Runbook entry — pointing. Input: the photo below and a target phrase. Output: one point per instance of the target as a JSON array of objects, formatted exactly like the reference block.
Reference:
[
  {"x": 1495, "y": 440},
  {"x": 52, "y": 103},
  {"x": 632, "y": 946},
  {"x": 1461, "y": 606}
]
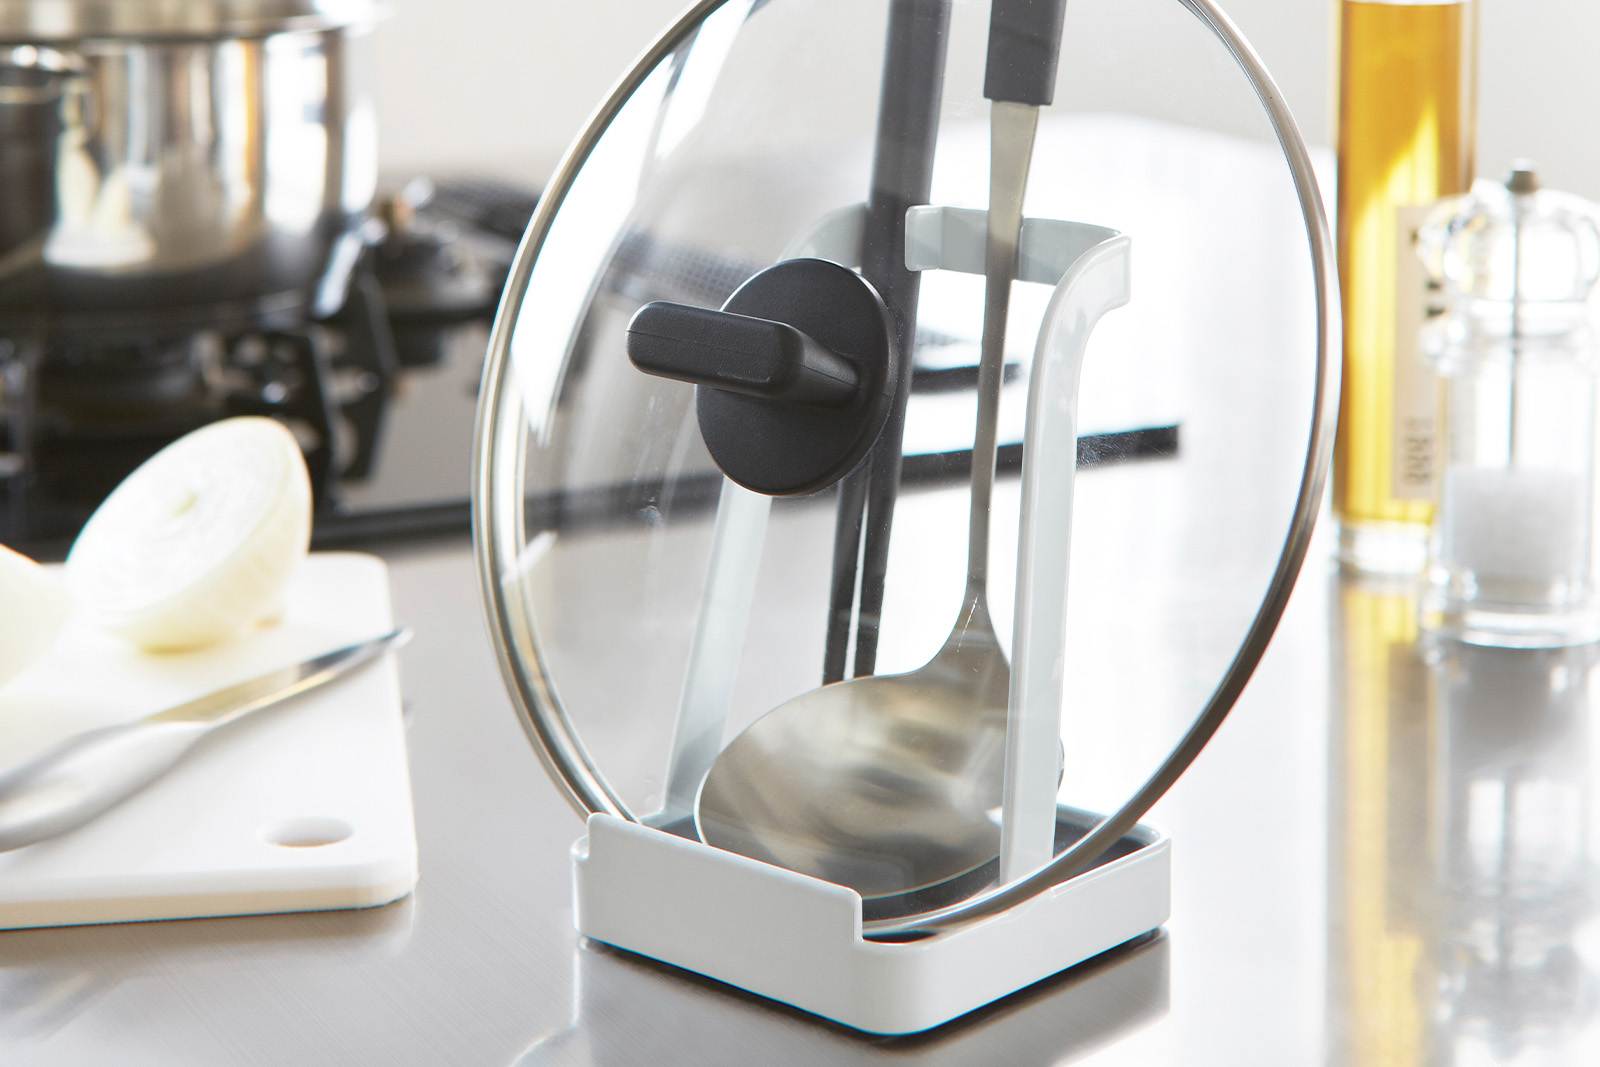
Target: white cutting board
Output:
[{"x": 301, "y": 807}]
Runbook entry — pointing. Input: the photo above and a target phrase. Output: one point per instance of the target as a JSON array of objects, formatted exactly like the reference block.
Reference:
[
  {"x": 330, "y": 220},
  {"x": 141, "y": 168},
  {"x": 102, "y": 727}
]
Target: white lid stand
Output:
[
  {"x": 798, "y": 939},
  {"x": 649, "y": 889}
]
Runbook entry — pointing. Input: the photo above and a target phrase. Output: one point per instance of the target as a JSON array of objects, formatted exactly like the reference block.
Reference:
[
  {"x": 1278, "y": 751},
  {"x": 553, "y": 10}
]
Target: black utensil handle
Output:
[
  {"x": 902, "y": 176},
  {"x": 1024, "y": 50}
]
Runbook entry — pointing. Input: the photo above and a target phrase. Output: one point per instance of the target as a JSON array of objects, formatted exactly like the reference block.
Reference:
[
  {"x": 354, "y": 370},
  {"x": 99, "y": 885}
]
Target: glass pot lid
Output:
[{"x": 647, "y": 609}]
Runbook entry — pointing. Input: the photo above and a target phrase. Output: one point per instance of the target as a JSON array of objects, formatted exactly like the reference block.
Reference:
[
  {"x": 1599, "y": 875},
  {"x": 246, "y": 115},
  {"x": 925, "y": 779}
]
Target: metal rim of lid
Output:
[
  {"x": 57, "y": 22},
  {"x": 498, "y": 491}
]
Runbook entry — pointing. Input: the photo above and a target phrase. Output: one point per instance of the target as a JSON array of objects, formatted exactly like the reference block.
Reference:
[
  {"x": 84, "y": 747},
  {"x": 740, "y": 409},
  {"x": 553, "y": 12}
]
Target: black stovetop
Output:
[{"x": 382, "y": 395}]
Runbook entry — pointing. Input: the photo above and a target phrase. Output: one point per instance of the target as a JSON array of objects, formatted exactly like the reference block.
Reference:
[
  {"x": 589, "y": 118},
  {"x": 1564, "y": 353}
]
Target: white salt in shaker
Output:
[{"x": 1510, "y": 335}]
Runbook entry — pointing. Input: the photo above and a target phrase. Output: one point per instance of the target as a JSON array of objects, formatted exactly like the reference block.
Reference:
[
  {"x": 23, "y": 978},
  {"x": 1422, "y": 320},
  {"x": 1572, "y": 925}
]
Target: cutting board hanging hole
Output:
[{"x": 312, "y": 831}]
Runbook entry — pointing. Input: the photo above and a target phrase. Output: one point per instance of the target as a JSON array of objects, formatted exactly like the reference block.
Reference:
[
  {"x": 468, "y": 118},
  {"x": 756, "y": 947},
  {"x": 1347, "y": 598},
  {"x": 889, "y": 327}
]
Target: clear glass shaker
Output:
[{"x": 1511, "y": 338}]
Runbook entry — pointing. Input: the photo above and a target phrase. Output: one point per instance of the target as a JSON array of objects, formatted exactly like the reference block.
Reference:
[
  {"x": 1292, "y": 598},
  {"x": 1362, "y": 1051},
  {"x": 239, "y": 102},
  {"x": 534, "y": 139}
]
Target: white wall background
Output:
[{"x": 502, "y": 86}]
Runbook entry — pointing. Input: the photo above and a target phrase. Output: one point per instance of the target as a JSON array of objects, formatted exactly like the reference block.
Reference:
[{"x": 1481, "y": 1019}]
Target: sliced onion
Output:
[
  {"x": 33, "y": 605},
  {"x": 199, "y": 542}
]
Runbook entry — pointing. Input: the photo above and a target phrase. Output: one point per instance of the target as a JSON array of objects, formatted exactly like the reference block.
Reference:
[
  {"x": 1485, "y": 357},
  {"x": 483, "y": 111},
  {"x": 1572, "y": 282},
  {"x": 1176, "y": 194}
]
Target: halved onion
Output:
[
  {"x": 199, "y": 542},
  {"x": 33, "y": 605}
]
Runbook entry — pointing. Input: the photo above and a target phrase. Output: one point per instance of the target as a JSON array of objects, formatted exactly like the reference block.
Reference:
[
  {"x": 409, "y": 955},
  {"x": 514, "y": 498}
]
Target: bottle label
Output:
[{"x": 1416, "y": 391}]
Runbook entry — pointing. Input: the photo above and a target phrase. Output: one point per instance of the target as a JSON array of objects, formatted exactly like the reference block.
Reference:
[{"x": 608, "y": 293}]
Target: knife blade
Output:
[{"x": 90, "y": 773}]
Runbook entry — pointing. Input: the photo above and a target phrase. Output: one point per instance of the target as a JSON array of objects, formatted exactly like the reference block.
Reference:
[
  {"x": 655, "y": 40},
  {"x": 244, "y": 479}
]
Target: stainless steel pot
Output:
[{"x": 188, "y": 158}]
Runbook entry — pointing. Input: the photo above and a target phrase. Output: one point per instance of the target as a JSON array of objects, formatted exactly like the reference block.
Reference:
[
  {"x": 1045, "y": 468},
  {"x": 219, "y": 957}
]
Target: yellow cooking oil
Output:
[{"x": 1405, "y": 141}]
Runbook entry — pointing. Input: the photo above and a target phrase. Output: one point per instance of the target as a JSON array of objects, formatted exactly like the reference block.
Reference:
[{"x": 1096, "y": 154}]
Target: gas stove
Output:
[{"x": 381, "y": 394}]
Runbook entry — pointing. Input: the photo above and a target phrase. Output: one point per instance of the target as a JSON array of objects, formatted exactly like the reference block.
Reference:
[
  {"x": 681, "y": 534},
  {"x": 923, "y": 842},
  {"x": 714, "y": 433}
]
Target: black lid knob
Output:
[
  {"x": 794, "y": 373},
  {"x": 739, "y": 353}
]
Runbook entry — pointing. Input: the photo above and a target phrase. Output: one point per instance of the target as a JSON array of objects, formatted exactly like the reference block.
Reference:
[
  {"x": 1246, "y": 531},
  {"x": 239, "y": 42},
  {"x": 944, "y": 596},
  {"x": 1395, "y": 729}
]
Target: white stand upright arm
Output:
[
  {"x": 1088, "y": 265},
  {"x": 730, "y": 589},
  {"x": 1096, "y": 283}
]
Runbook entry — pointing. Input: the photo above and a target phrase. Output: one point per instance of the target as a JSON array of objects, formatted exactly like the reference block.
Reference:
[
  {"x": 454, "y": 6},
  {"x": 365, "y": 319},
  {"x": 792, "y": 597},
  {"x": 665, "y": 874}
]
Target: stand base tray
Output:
[{"x": 798, "y": 940}]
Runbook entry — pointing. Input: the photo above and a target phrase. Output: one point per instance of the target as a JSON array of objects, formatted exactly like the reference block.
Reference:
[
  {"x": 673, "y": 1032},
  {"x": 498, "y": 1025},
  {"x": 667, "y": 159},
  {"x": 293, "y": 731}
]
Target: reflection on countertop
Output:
[
  {"x": 620, "y": 996},
  {"x": 50, "y": 976},
  {"x": 1462, "y": 844}
]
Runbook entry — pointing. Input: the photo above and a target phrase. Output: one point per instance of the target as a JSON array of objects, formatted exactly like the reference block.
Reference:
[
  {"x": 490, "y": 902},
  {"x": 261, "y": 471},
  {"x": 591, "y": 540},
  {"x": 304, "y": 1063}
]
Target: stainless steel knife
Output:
[{"x": 88, "y": 774}]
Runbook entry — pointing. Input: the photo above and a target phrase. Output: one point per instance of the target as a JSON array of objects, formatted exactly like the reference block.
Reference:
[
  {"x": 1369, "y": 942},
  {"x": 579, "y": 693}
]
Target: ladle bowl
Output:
[{"x": 884, "y": 784}]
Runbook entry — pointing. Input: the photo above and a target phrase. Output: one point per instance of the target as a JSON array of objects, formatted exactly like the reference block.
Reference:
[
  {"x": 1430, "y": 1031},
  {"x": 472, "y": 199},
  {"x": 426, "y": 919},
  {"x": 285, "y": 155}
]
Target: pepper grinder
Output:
[{"x": 1512, "y": 266}]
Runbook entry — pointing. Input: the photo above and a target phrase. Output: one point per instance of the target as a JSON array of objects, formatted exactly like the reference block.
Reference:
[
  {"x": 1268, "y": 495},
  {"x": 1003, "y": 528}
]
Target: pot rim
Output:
[{"x": 58, "y": 22}]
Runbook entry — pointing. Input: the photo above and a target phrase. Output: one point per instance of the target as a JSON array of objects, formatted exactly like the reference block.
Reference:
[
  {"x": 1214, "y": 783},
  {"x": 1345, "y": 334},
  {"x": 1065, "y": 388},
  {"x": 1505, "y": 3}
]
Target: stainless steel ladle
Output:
[{"x": 885, "y": 784}]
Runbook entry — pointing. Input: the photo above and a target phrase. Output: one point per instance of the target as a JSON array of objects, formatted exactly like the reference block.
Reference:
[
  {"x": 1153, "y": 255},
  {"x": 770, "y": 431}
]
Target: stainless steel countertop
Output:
[
  {"x": 1331, "y": 901},
  {"x": 1376, "y": 861}
]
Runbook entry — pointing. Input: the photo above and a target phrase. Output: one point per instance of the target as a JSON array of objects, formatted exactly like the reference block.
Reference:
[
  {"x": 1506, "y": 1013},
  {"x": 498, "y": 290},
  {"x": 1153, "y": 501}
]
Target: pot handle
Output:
[{"x": 29, "y": 86}]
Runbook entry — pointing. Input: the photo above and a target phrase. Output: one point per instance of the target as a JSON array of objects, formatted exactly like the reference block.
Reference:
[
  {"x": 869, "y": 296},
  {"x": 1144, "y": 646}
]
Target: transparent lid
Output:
[
  {"x": 641, "y": 623},
  {"x": 1513, "y": 258}
]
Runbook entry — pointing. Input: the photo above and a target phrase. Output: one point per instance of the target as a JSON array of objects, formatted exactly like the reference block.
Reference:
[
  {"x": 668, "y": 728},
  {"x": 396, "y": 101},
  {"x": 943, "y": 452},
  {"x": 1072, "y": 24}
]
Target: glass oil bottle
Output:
[{"x": 1405, "y": 140}]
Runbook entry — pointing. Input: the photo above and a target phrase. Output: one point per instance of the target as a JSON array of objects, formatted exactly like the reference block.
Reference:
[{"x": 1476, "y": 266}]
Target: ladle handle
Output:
[
  {"x": 1020, "y": 77},
  {"x": 1011, "y": 128}
]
